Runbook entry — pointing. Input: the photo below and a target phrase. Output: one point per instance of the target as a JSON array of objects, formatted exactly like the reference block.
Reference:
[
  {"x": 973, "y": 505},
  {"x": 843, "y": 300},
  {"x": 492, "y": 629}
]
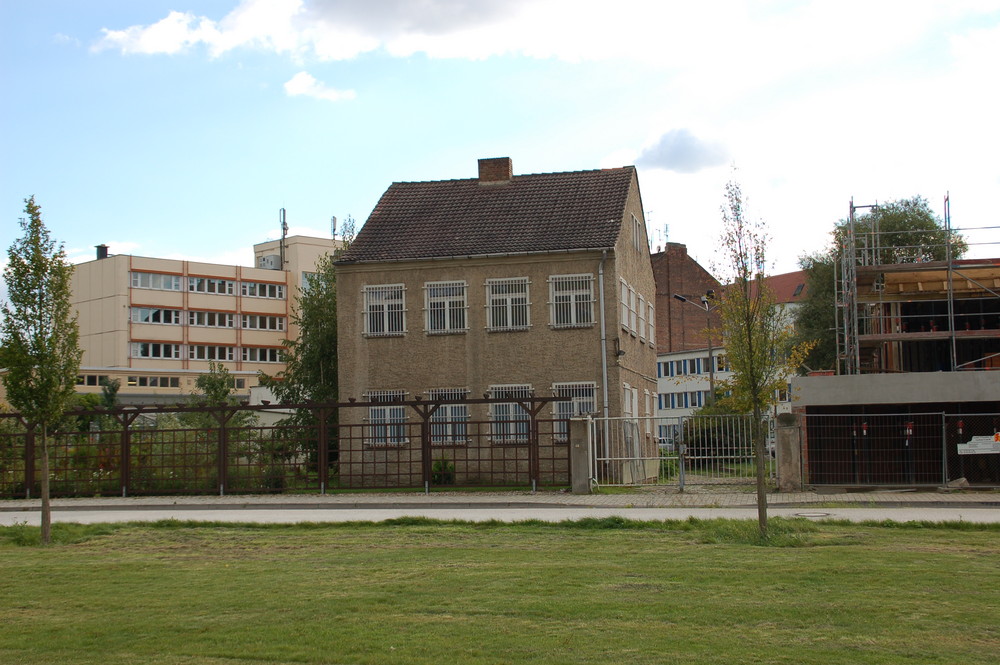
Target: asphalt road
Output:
[{"x": 298, "y": 513}]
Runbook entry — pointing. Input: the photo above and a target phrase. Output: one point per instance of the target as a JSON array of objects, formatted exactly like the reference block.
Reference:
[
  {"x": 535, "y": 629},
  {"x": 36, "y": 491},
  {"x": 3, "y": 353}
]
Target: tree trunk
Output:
[
  {"x": 46, "y": 504},
  {"x": 759, "y": 452}
]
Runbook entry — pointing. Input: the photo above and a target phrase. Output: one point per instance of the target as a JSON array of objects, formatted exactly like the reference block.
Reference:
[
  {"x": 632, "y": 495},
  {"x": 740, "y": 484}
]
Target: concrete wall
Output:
[{"x": 915, "y": 388}]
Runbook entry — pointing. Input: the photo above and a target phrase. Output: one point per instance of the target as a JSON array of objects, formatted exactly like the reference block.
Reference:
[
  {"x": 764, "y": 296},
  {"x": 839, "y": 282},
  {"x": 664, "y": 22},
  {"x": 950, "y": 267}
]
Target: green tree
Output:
[
  {"x": 757, "y": 334},
  {"x": 39, "y": 343},
  {"x": 311, "y": 359},
  {"x": 903, "y": 231},
  {"x": 215, "y": 388}
]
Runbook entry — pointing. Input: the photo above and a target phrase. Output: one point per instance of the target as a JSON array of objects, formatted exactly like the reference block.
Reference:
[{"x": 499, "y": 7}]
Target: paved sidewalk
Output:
[{"x": 640, "y": 498}]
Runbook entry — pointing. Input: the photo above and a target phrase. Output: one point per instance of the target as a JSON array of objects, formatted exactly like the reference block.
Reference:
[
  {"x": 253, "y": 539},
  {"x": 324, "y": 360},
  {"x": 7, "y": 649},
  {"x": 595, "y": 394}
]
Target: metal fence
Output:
[
  {"x": 901, "y": 449},
  {"x": 688, "y": 450},
  {"x": 288, "y": 448}
]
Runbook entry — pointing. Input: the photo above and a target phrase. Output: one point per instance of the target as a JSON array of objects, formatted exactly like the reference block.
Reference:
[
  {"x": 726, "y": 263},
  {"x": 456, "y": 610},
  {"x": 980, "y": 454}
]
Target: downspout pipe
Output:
[{"x": 604, "y": 333}]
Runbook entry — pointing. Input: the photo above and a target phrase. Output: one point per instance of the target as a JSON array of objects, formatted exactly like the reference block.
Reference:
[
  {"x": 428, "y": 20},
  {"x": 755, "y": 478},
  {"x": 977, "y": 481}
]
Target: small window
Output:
[
  {"x": 450, "y": 422},
  {"x": 507, "y": 304},
  {"x": 509, "y": 421},
  {"x": 446, "y": 305},
  {"x": 385, "y": 310},
  {"x": 386, "y": 421},
  {"x": 578, "y": 400},
  {"x": 572, "y": 300}
]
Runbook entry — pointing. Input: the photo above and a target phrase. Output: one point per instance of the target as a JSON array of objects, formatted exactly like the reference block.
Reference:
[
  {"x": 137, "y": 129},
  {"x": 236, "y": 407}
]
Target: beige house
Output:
[
  {"x": 156, "y": 324},
  {"x": 500, "y": 286}
]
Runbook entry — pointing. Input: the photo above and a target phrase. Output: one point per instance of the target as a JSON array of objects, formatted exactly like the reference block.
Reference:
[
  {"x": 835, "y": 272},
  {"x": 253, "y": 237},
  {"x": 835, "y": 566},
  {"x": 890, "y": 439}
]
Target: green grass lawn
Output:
[{"x": 415, "y": 591}]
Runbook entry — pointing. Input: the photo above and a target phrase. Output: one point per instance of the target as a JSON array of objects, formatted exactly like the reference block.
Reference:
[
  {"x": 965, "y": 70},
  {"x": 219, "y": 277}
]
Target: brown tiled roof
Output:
[
  {"x": 789, "y": 287},
  {"x": 544, "y": 212}
]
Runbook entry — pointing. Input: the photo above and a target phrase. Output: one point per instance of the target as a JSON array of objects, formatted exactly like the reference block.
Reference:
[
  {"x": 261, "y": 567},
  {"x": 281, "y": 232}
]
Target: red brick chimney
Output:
[{"x": 495, "y": 169}]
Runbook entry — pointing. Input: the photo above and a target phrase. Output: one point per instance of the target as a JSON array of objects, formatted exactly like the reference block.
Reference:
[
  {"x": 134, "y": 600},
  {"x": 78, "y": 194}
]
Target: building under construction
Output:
[
  {"x": 916, "y": 308},
  {"x": 916, "y": 398}
]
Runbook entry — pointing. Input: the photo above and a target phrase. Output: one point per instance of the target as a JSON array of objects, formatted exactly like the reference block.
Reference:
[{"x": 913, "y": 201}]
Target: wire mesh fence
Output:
[{"x": 901, "y": 449}]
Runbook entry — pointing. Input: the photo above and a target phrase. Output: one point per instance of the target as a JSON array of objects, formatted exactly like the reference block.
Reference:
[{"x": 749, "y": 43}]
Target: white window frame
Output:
[
  {"x": 642, "y": 319},
  {"x": 149, "y": 315},
  {"x": 211, "y": 352},
  {"x": 508, "y": 304},
  {"x": 385, "y": 425},
  {"x": 212, "y": 285},
  {"x": 262, "y": 322},
  {"x": 155, "y": 281},
  {"x": 582, "y": 399},
  {"x": 262, "y": 290},
  {"x": 210, "y": 319},
  {"x": 509, "y": 423},
  {"x": 261, "y": 354},
  {"x": 384, "y": 310},
  {"x": 572, "y": 295},
  {"x": 159, "y": 350},
  {"x": 651, "y": 338},
  {"x": 449, "y": 424},
  {"x": 446, "y": 307}
]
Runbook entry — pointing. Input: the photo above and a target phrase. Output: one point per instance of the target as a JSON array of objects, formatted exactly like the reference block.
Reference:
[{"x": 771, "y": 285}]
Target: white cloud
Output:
[
  {"x": 306, "y": 84},
  {"x": 681, "y": 151}
]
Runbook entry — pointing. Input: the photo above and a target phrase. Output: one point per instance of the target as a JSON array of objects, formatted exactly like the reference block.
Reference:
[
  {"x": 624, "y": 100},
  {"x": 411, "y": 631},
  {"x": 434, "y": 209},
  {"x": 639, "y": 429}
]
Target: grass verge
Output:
[{"x": 416, "y": 590}]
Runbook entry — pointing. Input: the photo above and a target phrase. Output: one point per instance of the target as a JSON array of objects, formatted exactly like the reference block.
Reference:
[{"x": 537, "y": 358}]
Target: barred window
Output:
[
  {"x": 153, "y": 280},
  {"x": 211, "y": 285},
  {"x": 579, "y": 400},
  {"x": 156, "y": 350},
  {"x": 155, "y": 315},
  {"x": 507, "y": 304},
  {"x": 254, "y": 354},
  {"x": 385, "y": 310},
  {"x": 262, "y": 290},
  {"x": 572, "y": 300},
  {"x": 263, "y": 322},
  {"x": 446, "y": 305},
  {"x": 211, "y": 352},
  {"x": 386, "y": 422},
  {"x": 211, "y": 319},
  {"x": 450, "y": 423},
  {"x": 510, "y": 423}
]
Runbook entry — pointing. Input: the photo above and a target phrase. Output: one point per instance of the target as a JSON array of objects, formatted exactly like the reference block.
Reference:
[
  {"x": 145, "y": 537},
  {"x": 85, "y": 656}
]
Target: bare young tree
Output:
[
  {"x": 39, "y": 342},
  {"x": 756, "y": 332}
]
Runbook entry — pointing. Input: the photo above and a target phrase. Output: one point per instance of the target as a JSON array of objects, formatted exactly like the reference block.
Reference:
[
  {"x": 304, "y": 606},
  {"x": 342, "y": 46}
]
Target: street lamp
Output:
[{"x": 709, "y": 308}]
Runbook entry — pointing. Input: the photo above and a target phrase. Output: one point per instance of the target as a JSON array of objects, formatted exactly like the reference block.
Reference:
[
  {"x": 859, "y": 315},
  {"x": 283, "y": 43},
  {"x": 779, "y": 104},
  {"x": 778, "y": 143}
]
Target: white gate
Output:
[{"x": 692, "y": 450}]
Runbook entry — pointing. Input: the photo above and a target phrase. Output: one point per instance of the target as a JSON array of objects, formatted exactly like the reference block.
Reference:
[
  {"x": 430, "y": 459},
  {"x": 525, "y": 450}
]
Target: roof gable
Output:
[{"x": 545, "y": 212}]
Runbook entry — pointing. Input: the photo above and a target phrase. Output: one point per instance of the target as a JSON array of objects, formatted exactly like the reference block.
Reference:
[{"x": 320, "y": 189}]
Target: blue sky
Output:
[{"x": 179, "y": 128}]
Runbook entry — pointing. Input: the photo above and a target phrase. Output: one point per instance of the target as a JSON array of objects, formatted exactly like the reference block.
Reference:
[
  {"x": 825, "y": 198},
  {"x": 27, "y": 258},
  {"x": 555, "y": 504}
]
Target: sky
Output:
[{"x": 179, "y": 128}]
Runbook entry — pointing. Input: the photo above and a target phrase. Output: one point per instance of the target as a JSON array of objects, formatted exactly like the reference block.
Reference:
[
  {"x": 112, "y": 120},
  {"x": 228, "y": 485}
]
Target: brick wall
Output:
[{"x": 680, "y": 326}]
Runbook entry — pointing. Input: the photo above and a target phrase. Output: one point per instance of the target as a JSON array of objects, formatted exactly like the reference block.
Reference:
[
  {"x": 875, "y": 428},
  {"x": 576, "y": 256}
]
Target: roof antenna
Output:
[{"x": 284, "y": 233}]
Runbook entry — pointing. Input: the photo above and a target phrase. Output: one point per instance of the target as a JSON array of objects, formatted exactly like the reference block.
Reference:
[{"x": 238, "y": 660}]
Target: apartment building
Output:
[
  {"x": 500, "y": 286},
  {"x": 156, "y": 324}
]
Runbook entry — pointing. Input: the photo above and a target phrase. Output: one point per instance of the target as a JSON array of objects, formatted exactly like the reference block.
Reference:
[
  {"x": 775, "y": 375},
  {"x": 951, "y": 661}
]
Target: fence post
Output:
[
  {"x": 580, "y": 442},
  {"x": 323, "y": 449},
  {"x": 944, "y": 450},
  {"x": 29, "y": 460},
  {"x": 126, "y": 452}
]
